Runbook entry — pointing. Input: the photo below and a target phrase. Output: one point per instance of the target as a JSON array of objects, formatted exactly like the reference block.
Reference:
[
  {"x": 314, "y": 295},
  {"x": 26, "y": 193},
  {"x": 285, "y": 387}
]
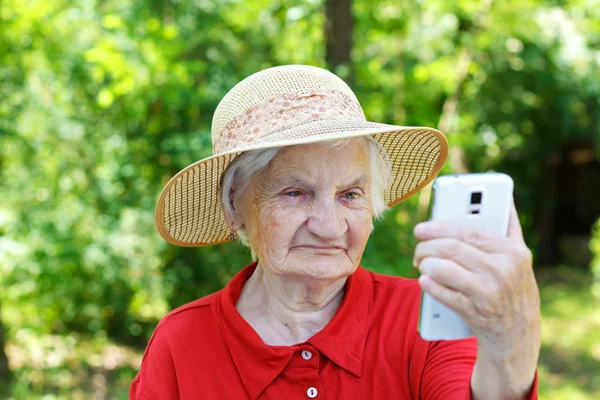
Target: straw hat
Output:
[{"x": 284, "y": 106}]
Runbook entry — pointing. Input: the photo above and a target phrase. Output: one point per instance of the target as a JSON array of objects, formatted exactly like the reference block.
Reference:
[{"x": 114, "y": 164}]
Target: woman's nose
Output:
[{"x": 326, "y": 221}]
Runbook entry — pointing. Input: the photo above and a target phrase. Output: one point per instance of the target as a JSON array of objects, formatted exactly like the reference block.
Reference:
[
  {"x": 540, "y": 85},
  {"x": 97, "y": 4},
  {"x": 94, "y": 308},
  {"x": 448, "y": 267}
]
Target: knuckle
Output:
[
  {"x": 473, "y": 236},
  {"x": 502, "y": 274},
  {"x": 449, "y": 249},
  {"x": 460, "y": 303},
  {"x": 488, "y": 305},
  {"x": 453, "y": 297},
  {"x": 524, "y": 254},
  {"x": 486, "y": 309}
]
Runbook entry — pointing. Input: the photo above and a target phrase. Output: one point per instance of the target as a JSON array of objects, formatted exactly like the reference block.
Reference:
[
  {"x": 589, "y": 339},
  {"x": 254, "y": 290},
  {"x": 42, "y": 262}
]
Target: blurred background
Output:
[{"x": 101, "y": 102}]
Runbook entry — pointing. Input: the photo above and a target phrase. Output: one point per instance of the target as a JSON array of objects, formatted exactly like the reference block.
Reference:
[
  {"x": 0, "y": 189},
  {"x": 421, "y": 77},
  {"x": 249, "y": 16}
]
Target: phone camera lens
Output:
[{"x": 476, "y": 198}]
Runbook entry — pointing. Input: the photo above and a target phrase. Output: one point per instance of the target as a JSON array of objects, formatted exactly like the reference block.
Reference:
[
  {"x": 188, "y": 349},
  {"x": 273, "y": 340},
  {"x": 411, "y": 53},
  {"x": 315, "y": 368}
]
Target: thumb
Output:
[{"x": 514, "y": 225}]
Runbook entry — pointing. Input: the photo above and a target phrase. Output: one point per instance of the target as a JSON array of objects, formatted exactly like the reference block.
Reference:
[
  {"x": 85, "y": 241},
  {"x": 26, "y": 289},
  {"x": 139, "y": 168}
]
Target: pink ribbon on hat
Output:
[{"x": 284, "y": 112}]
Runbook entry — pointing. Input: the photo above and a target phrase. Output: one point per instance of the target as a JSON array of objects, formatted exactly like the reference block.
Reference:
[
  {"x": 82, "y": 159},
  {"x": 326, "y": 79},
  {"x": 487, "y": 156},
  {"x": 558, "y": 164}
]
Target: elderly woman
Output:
[{"x": 298, "y": 175}]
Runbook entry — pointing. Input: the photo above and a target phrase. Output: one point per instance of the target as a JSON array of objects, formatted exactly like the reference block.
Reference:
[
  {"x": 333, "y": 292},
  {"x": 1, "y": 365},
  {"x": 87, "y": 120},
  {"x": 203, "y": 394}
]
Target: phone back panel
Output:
[
  {"x": 452, "y": 197},
  {"x": 452, "y": 203}
]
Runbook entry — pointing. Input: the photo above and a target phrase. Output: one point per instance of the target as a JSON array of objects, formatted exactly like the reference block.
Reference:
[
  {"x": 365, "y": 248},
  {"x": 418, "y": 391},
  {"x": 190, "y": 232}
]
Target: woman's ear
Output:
[{"x": 233, "y": 218}]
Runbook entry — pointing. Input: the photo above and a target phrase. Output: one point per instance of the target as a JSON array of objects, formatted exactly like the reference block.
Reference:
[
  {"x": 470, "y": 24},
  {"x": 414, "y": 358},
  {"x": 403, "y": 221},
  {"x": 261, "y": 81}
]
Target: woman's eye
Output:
[
  {"x": 351, "y": 195},
  {"x": 293, "y": 193}
]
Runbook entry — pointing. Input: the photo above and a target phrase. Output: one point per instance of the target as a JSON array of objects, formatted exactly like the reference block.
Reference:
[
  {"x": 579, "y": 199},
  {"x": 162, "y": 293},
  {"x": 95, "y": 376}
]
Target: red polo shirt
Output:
[{"x": 369, "y": 350}]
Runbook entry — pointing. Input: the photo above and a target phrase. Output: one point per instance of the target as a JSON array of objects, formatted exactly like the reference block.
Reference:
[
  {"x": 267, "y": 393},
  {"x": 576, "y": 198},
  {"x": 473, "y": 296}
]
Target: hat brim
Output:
[{"x": 189, "y": 212}]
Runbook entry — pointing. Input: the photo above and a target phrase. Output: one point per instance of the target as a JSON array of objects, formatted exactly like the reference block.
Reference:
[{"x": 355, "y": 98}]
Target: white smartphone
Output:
[{"x": 478, "y": 200}]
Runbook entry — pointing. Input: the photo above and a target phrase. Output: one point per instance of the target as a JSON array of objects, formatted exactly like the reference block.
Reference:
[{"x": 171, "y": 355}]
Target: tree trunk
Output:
[
  {"x": 339, "y": 27},
  {"x": 5, "y": 373},
  {"x": 545, "y": 220}
]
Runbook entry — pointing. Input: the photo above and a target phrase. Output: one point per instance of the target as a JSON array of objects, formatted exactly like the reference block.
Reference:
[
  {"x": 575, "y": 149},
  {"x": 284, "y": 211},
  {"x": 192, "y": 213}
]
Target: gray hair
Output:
[{"x": 247, "y": 165}]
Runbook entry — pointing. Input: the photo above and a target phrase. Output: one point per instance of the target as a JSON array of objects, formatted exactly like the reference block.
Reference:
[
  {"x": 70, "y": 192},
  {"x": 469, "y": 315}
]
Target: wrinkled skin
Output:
[
  {"x": 488, "y": 280},
  {"x": 308, "y": 214}
]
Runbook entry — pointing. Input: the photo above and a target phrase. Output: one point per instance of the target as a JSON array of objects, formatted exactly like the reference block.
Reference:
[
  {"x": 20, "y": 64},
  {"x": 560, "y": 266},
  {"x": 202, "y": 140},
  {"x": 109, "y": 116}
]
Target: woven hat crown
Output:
[{"x": 273, "y": 83}]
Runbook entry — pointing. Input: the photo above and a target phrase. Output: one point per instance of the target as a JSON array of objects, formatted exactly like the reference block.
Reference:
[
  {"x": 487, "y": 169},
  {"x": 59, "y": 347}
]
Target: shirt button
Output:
[
  {"x": 311, "y": 392},
  {"x": 307, "y": 355}
]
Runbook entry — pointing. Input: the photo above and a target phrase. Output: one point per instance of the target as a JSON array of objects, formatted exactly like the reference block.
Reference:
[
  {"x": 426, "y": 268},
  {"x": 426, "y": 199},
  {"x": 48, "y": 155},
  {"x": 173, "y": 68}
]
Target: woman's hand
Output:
[{"x": 488, "y": 280}]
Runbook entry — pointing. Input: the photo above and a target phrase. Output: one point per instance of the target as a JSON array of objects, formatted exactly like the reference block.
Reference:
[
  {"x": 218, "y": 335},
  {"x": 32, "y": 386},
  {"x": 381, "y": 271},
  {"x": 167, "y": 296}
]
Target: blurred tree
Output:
[{"x": 339, "y": 29}]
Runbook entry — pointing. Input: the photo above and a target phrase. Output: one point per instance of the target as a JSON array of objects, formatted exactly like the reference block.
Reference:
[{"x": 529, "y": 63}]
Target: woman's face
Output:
[{"x": 308, "y": 214}]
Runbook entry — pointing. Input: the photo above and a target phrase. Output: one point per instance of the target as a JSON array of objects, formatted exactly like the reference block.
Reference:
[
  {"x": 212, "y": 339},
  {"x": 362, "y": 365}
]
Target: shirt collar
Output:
[{"x": 342, "y": 340}]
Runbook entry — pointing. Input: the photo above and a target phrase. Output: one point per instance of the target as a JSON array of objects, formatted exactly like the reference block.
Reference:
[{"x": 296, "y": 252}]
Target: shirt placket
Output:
[
  {"x": 300, "y": 379},
  {"x": 310, "y": 356},
  {"x": 307, "y": 358}
]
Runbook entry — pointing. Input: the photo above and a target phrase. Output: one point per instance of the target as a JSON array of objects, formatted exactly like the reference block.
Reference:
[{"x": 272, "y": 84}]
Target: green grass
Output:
[{"x": 569, "y": 367}]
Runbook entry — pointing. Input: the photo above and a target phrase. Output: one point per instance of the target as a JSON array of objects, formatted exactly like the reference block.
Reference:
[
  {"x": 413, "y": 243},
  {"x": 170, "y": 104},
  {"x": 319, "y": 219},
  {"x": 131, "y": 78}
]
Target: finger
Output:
[
  {"x": 449, "y": 274},
  {"x": 514, "y": 225},
  {"x": 473, "y": 236},
  {"x": 452, "y": 299},
  {"x": 468, "y": 256}
]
